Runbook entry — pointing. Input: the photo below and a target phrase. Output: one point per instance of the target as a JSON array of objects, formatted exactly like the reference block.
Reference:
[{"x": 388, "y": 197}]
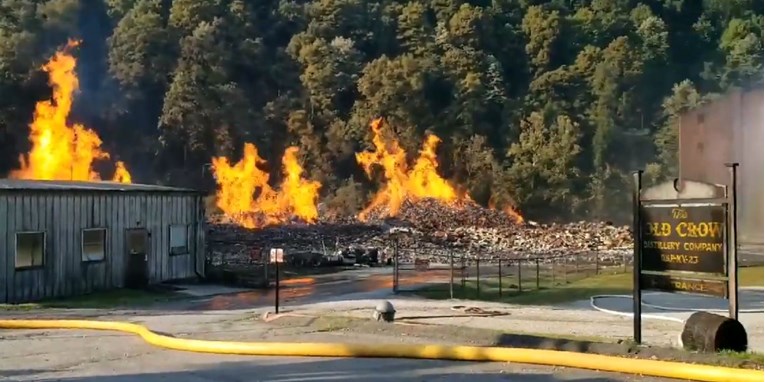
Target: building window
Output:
[
  {"x": 30, "y": 249},
  {"x": 179, "y": 239},
  {"x": 93, "y": 244}
]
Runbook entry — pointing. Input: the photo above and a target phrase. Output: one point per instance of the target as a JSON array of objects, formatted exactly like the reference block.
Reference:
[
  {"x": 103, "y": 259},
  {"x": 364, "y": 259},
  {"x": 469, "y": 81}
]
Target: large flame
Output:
[
  {"x": 403, "y": 183},
  {"x": 239, "y": 183},
  {"x": 60, "y": 151}
]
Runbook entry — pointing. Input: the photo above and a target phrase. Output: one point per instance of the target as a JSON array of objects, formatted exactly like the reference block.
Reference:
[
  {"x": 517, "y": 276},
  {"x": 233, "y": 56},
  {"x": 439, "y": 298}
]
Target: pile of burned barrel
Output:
[{"x": 419, "y": 228}]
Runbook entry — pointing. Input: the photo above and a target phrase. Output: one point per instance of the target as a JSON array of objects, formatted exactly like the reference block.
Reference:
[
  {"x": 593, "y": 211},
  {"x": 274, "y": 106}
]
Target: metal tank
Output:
[{"x": 729, "y": 129}]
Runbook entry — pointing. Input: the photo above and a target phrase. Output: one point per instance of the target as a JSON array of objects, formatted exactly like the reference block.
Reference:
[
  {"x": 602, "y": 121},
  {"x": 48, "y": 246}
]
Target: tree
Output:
[
  {"x": 186, "y": 15},
  {"x": 168, "y": 84},
  {"x": 542, "y": 29},
  {"x": 683, "y": 98},
  {"x": 741, "y": 43},
  {"x": 141, "y": 50},
  {"x": 543, "y": 165},
  {"x": 204, "y": 111}
]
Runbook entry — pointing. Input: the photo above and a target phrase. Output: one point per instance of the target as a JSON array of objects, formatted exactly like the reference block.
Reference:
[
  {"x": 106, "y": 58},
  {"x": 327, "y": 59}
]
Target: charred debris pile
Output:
[{"x": 425, "y": 228}]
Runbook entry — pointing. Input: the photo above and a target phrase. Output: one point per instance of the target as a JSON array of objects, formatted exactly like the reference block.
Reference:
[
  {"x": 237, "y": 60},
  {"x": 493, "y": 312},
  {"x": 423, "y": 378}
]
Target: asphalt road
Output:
[
  {"x": 319, "y": 288},
  {"x": 205, "y": 368},
  {"x": 106, "y": 357}
]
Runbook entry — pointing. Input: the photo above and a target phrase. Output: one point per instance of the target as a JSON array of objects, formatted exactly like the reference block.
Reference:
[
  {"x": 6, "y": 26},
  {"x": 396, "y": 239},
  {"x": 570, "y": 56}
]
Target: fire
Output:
[
  {"x": 239, "y": 183},
  {"x": 60, "y": 151},
  {"x": 401, "y": 182},
  {"x": 511, "y": 212},
  {"x": 121, "y": 173},
  {"x": 298, "y": 194}
]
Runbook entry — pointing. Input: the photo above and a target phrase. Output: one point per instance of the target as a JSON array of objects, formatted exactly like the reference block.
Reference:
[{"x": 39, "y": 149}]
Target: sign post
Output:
[
  {"x": 276, "y": 257},
  {"x": 685, "y": 241},
  {"x": 637, "y": 300},
  {"x": 732, "y": 244}
]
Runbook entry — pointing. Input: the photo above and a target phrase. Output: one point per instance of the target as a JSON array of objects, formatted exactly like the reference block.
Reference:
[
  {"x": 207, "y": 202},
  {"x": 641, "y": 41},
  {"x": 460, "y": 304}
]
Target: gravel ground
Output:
[{"x": 556, "y": 321}]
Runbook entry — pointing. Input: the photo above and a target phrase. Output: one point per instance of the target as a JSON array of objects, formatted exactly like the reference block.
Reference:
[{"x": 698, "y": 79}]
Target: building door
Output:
[{"x": 137, "y": 258}]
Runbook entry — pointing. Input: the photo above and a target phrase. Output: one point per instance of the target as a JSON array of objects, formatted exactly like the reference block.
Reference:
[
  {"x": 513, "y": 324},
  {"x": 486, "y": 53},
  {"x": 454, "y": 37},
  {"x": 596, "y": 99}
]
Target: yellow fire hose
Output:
[{"x": 457, "y": 353}]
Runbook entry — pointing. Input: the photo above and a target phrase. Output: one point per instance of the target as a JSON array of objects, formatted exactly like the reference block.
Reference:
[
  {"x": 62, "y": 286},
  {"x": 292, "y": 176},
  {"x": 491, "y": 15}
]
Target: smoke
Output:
[{"x": 100, "y": 103}]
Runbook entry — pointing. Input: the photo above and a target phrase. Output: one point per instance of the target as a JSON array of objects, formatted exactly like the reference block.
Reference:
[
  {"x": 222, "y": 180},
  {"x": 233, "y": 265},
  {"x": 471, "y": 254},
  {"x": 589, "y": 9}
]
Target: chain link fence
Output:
[
  {"x": 246, "y": 264},
  {"x": 461, "y": 273},
  {"x": 470, "y": 274}
]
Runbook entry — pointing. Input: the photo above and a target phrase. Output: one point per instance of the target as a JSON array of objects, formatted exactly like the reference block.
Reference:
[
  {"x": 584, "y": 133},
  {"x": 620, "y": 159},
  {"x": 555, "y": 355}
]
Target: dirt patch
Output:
[{"x": 447, "y": 334}]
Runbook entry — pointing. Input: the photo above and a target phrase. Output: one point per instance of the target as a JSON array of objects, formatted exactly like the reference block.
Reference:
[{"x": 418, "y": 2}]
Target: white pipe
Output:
[{"x": 593, "y": 305}]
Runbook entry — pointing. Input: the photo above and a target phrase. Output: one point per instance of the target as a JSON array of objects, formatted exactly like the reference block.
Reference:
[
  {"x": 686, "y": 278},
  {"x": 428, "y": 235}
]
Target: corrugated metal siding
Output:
[
  {"x": 201, "y": 249},
  {"x": 728, "y": 130},
  {"x": 63, "y": 216}
]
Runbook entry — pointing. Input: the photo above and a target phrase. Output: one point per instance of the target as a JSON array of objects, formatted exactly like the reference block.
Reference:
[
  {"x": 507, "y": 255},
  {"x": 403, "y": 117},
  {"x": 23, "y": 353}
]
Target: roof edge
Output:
[{"x": 90, "y": 186}]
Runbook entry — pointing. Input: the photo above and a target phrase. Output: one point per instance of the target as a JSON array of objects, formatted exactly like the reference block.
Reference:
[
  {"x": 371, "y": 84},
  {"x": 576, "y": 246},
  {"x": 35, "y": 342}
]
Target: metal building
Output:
[
  {"x": 729, "y": 129},
  {"x": 61, "y": 239}
]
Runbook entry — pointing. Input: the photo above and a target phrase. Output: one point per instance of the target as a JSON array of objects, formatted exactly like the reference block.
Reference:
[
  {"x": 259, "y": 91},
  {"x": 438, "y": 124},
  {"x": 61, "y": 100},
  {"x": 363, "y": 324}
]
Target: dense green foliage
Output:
[{"x": 547, "y": 104}]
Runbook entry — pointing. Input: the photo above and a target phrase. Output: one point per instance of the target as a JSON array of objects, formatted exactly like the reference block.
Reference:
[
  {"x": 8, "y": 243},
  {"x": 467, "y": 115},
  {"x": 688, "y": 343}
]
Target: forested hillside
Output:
[{"x": 547, "y": 105}]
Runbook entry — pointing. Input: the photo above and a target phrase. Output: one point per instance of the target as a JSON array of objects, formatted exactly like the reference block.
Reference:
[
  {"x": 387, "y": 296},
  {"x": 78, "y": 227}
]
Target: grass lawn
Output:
[
  {"x": 620, "y": 283},
  {"x": 104, "y": 300}
]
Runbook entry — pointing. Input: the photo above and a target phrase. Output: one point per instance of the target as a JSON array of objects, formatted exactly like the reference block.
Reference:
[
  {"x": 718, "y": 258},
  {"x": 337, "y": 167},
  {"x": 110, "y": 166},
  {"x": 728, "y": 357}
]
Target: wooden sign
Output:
[
  {"x": 684, "y": 238},
  {"x": 276, "y": 255},
  {"x": 685, "y": 241},
  {"x": 669, "y": 283}
]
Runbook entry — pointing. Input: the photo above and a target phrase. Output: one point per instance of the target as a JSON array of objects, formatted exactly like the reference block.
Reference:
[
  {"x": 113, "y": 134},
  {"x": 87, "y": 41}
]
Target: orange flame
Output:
[
  {"x": 298, "y": 194},
  {"x": 121, "y": 173},
  {"x": 60, "y": 151},
  {"x": 402, "y": 183},
  {"x": 238, "y": 184},
  {"x": 509, "y": 211}
]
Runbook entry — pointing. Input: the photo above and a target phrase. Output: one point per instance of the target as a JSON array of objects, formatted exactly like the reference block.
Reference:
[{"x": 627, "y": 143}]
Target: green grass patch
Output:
[
  {"x": 101, "y": 300},
  {"x": 620, "y": 283},
  {"x": 750, "y": 276},
  {"x": 752, "y": 357}
]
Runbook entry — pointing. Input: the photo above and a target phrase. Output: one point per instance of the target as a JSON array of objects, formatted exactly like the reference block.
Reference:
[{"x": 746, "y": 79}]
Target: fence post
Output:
[
  {"x": 451, "y": 274},
  {"x": 565, "y": 270},
  {"x": 576, "y": 265},
  {"x": 478, "y": 277},
  {"x": 267, "y": 275},
  {"x": 597, "y": 263},
  {"x": 395, "y": 266},
  {"x": 462, "y": 269},
  {"x": 520, "y": 277},
  {"x": 499, "y": 270},
  {"x": 537, "y": 265},
  {"x": 554, "y": 260},
  {"x": 624, "y": 261}
]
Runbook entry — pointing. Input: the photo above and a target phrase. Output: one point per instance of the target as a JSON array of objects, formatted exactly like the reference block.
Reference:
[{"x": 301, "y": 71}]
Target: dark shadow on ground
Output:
[
  {"x": 548, "y": 343},
  {"x": 20, "y": 373},
  {"x": 277, "y": 370},
  {"x": 629, "y": 349}
]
